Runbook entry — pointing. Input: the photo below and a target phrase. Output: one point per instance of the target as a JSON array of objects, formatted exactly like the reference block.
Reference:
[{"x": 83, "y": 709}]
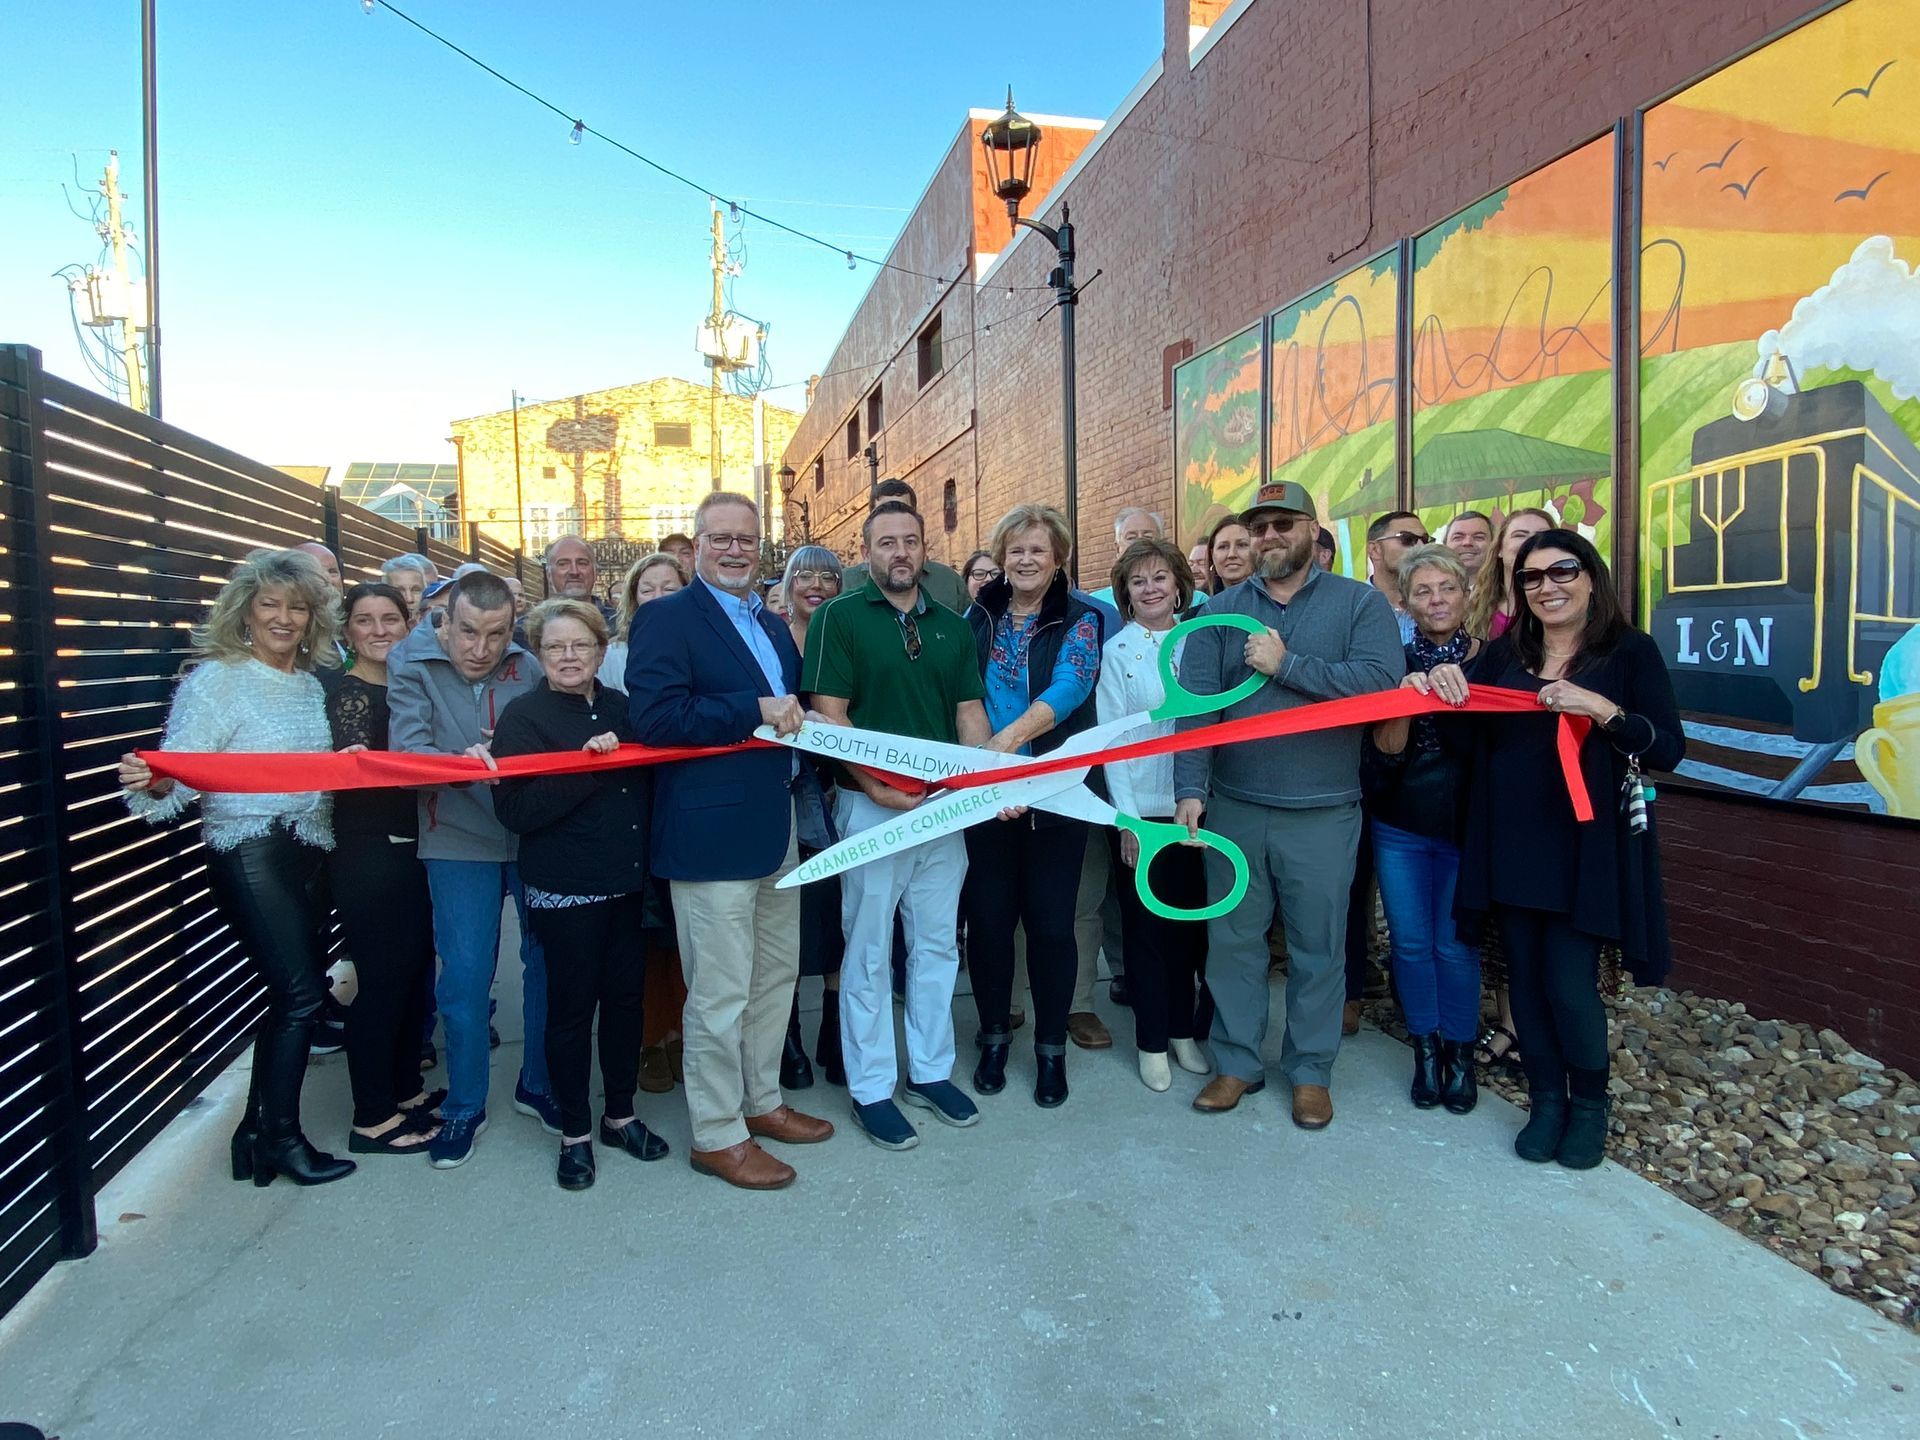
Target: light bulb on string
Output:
[
  {"x": 366, "y": 6},
  {"x": 579, "y": 129},
  {"x": 849, "y": 260},
  {"x": 733, "y": 208}
]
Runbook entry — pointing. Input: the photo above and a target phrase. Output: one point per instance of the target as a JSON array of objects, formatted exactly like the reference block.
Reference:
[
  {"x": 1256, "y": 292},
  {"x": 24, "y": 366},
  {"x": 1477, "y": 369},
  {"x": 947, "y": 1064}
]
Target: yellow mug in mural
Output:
[{"x": 1889, "y": 754}]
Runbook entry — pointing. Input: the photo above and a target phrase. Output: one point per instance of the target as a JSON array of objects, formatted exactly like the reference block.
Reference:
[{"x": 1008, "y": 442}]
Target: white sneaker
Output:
[
  {"x": 1153, "y": 1069},
  {"x": 1189, "y": 1056}
]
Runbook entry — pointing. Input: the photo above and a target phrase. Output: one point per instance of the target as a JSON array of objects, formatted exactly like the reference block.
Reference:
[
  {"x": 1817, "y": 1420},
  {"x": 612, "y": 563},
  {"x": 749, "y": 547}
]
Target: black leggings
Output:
[
  {"x": 380, "y": 889},
  {"x": 1018, "y": 874},
  {"x": 596, "y": 956},
  {"x": 1166, "y": 959},
  {"x": 264, "y": 888},
  {"x": 1553, "y": 988}
]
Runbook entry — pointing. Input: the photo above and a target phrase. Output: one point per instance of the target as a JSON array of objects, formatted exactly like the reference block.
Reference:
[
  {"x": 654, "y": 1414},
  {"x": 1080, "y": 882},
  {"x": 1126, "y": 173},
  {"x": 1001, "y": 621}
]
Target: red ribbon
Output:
[{"x": 374, "y": 769}]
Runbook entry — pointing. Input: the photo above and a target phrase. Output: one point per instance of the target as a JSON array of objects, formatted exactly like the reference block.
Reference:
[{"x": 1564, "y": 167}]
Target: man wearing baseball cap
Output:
[{"x": 1292, "y": 804}]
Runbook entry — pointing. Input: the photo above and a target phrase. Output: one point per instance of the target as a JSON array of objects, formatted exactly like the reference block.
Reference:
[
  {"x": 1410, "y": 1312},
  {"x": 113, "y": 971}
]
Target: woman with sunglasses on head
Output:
[
  {"x": 1555, "y": 888},
  {"x": 813, "y": 577}
]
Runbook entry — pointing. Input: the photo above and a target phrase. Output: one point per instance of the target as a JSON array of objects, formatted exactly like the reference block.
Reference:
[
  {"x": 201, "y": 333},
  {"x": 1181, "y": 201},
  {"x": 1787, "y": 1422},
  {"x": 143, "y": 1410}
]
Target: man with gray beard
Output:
[{"x": 1292, "y": 804}]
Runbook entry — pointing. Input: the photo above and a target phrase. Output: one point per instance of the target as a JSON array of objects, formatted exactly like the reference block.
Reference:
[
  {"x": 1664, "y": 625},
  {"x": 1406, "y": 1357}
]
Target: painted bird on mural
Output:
[
  {"x": 1864, "y": 191},
  {"x": 1865, "y": 92},
  {"x": 1662, "y": 164},
  {"x": 1744, "y": 189},
  {"x": 1721, "y": 163}
]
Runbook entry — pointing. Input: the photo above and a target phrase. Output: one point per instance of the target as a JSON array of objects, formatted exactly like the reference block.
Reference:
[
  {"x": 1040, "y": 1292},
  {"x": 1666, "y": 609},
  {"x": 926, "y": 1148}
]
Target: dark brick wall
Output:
[{"x": 1803, "y": 914}]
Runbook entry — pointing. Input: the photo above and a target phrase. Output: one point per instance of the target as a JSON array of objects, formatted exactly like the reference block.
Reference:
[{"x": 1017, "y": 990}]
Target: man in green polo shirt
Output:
[{"x": 886, "y": 657}]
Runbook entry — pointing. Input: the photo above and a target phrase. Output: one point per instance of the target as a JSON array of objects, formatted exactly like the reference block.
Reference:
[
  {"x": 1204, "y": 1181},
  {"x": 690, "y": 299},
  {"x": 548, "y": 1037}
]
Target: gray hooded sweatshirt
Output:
[
  {"x": 1341, "y": 640},
  {"x": 436, "y": 711}
]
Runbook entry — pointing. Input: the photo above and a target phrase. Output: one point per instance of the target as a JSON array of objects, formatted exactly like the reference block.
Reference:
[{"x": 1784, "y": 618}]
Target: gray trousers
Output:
[{"x": 1301, "y": 860}]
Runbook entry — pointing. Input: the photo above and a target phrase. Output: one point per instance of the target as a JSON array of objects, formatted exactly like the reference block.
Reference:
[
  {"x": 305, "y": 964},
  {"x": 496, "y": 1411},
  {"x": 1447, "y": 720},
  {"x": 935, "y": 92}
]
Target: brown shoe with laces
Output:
[
  {"x": 788, "y": 1124},
  {"x": 745, "y": 1166}
]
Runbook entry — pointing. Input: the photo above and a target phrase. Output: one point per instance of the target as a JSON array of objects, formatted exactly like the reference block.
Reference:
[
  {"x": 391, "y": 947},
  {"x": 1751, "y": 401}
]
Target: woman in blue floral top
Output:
[{"x": 1039, "y": 653}]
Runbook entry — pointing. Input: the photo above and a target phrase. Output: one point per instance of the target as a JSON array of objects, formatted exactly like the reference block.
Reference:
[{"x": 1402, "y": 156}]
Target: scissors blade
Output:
[
  {"x": 901, "y": 754},
  {"x": 943, "y": 815},
  {"x": 1079, "y": 803},
  {"x": 1098, "y": 737}
]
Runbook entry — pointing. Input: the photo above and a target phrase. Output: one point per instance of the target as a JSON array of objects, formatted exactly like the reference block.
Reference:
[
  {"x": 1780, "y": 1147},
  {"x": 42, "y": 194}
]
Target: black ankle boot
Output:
[
  {"x": 1583, "y": 1144},
  {"x": 1050, "y": 1080},
  {"x": 1539, "y": 1138},
  {"x": 1459, "y": 1089},
  {"x": 990, "y": 1075},
  {"x": 294, "y": 1158},
  {"x": 1426, "y": 1071},
  {"x": 575, "y": 1171},
  {"x": 795, "y": 1072},
  {"x": 826, "y": 1045}
]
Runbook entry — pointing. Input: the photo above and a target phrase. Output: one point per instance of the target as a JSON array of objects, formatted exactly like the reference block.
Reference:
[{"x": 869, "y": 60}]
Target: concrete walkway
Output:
[{"x": 1118, "y": 1267}]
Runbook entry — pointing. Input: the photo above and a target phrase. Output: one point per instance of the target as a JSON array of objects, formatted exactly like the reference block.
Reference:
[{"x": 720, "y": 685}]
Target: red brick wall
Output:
[{"x": 1803, "y": 914}]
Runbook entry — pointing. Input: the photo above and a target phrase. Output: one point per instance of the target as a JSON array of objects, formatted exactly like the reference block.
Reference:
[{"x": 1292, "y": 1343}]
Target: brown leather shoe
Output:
[
  {"x": 1350, "y": 1018},
  {"x": 1089, "y": 1031},
  {"x": 656, "y": 1075},
  {"x": 788, "y": 1124},
  {"x": 744, "y": 1165},
  {"x": 1223, "y": 1092},
  {"x": 1312, "y": 1107}
]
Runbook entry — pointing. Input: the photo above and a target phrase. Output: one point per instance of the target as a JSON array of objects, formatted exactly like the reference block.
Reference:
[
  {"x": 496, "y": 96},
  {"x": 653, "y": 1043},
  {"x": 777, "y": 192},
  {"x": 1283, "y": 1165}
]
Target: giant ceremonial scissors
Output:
[{"x": 1062, "y": 792}]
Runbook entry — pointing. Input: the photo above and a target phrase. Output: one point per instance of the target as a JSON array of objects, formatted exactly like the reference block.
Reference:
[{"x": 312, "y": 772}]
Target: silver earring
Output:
[{"x": 246, "y": 634}]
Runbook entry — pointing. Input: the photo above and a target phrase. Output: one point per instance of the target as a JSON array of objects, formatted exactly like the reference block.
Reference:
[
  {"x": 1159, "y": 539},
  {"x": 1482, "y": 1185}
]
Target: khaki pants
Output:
[{"x": 740, "y": 950}]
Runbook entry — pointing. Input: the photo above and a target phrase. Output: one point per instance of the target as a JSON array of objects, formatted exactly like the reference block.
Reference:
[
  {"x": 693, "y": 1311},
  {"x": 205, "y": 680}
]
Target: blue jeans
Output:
[
  {"x": 1437, "y": 976},
  {"x": 466, "y": 932}
]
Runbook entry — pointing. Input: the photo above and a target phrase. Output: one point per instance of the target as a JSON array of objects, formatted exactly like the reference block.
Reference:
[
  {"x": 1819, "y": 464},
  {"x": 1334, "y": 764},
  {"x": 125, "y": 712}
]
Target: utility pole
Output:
[
  {"x": 150, "y": 180},
  {"x": 718, "y": 321},
  {"x": 519, "y": 500},
  {"x": 127, "y": 322}
]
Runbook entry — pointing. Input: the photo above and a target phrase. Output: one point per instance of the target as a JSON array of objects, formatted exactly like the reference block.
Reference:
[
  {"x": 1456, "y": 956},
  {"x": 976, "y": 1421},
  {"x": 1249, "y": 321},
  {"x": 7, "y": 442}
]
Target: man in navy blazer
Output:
[{"x": 705, "y": 666}]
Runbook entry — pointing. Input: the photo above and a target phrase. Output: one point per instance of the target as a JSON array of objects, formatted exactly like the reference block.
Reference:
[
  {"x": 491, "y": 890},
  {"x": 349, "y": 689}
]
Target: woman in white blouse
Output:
[
  {"x": 250, "y": 688},
  {"x": 1166, "y": 959}
]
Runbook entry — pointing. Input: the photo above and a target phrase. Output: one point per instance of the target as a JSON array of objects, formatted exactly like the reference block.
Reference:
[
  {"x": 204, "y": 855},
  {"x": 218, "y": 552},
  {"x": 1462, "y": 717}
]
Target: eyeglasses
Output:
[
  {"x": 982, "y": 573},
  {"x": 1408, "y": 537},
  {"x": 570, "y": 648},
  {"x": 1275, "y": 524},
  {"x": 732, "y": 542},
  {"x": 910, "y": 632},
  {"x": 1560, "y": 572},
  {"x": 816, "y": 577}
]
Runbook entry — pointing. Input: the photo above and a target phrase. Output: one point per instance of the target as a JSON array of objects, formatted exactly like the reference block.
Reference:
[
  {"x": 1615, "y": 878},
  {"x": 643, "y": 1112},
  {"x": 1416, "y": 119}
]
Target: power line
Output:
[{"x": 580, "y": 128}]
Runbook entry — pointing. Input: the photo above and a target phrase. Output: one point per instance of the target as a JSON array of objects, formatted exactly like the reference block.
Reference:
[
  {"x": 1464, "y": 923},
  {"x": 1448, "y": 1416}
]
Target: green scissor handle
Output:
[
  {"x": 1155, "y": 836},
  {"x": 1182, "y": 701}
]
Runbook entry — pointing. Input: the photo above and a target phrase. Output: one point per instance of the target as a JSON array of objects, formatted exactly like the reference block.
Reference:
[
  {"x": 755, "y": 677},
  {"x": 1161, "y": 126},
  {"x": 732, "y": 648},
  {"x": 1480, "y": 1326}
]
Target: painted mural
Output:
[
  {"x": 1216, "y": 432},
  {"x": 1330, "y": 390},
  {"x": 1780, "y": 409},
  {"x": 1513, "y": 351}
]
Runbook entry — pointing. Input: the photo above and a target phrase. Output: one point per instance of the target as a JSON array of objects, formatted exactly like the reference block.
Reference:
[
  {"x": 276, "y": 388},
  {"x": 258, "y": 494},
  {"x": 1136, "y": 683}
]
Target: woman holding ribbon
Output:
[
  {"x": 1415, "y": 787},
  {"x": 813, "y": 577},
  {"x": 1039, "y": 653},
  {"x": 1558, "y": 889},
  {"x": 250, "y": 688},
  {"x": 380, "y": 889},
  {"x": 583, "y": 860},
  {"x": 1166, "y": 959}
]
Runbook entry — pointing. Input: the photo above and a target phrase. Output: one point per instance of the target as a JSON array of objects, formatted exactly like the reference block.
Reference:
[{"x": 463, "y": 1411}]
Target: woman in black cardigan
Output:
[
  {"x": 1559, "y": 889},
  {"x": 583, "y": 860}
]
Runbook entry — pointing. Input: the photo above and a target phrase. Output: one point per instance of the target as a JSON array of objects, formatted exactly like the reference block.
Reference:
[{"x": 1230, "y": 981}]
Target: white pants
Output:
[{"x": 924, "y": 883}]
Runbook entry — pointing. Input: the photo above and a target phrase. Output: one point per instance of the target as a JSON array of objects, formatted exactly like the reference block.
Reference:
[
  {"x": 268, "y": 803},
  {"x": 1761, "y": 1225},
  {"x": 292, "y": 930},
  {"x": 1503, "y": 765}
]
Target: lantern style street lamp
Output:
[
  {"x": 1012, "y": 144},
  {"x": 785, "y": 476}
]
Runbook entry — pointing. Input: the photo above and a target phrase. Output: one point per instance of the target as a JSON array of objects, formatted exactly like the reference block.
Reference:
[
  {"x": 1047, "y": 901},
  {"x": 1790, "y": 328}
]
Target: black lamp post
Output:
[
  {"x": 785, "y": 476},
  {"x": 1012, "y": 144}
]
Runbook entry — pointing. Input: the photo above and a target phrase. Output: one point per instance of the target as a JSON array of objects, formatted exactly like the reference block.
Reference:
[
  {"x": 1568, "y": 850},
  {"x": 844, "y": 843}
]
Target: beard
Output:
[
  {"x": 897, "y": 580},
  {"x": 1288, "y": 558}
]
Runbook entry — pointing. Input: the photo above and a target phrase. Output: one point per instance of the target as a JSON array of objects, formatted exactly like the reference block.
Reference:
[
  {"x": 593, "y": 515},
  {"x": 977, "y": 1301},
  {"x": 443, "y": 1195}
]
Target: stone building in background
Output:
[{"x": 622, "y": 467}]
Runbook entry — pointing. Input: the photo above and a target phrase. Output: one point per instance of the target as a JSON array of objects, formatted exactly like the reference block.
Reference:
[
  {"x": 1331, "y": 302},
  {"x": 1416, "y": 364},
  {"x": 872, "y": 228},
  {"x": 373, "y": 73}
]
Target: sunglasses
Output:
[
  {"x": 1409, "y": 537},
  {"x": 1561, "y": 572},
  {"x": 910, "y": 632},
  {"x": 1275, "y": 524}
]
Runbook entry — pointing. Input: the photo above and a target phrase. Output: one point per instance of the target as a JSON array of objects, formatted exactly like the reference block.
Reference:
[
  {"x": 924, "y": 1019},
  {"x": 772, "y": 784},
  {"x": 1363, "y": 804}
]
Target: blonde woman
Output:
[
  {"x": 1491, "y": 602},
  {"x": 648, "y": 578},
  {"x": 250, "y": 688}
]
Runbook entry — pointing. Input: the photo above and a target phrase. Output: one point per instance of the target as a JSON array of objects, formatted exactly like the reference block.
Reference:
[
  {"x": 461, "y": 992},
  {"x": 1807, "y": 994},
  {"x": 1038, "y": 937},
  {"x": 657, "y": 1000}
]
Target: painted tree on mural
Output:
[{"x": 1216, "y": 430}]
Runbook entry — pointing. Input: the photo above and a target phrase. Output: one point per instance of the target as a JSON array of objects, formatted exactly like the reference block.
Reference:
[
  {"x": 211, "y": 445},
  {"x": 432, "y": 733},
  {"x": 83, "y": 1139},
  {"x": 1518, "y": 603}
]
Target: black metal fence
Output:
[{"x": 121, "y": 992}]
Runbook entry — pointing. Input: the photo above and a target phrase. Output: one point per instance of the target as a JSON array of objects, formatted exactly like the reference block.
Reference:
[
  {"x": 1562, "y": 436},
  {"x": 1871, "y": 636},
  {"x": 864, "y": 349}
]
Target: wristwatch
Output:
[{"x": 1614, "y": 721}]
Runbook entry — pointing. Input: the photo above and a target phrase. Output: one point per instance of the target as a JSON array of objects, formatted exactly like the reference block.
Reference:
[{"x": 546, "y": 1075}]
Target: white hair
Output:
[{"x": 1120, "y": 520}]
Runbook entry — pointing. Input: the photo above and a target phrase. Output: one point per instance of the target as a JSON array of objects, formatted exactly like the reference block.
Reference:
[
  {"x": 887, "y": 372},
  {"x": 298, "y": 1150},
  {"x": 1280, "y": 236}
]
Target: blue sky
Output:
[{"x": 364, "y": 237}]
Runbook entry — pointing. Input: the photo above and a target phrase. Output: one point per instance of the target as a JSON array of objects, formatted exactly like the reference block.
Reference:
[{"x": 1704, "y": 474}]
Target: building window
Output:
[
  {"x": 819, "y": 472},
  {"x": 875, "y": 413},
  {"x": 547, "y": 472},
  {"x": 931, "y": 359},
  {"x": 950, "y": 507},
  {"x": 678, "y": 437},
  {"x": 853, "y": 436}
]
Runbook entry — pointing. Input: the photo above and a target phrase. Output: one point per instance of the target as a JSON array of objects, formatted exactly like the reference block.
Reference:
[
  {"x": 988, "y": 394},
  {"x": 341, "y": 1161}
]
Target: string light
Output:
[
  {"x": 579, "y": 129},
  {"x": 849, "y": 260},
  {"x": 366, "y": 6}
]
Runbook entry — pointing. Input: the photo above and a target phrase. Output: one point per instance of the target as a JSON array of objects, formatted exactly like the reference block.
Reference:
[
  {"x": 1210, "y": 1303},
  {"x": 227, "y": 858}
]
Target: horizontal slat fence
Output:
[{"x": 121, "y": 991}]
